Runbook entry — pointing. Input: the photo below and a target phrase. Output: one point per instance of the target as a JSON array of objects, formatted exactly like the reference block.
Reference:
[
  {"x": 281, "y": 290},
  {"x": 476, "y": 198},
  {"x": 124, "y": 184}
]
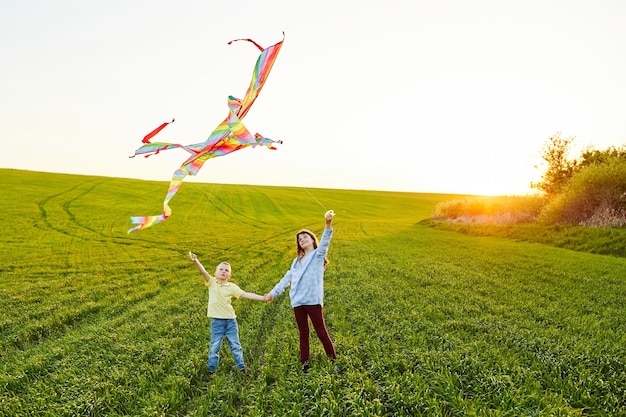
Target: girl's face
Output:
[{"x": 305, "y": 241}]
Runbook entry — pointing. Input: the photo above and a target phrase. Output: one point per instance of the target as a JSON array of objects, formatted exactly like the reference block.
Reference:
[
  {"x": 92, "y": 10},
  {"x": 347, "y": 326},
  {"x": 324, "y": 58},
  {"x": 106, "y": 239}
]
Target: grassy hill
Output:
[{"x": 426, "y": 322}]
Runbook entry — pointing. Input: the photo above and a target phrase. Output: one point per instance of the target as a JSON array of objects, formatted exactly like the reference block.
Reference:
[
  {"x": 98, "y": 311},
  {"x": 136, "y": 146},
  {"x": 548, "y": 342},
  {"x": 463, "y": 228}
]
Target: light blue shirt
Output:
[{"x": 306, "y": 278}]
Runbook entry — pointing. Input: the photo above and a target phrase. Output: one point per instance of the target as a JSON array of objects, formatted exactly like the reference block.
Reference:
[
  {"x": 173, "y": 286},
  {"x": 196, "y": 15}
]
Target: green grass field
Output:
[{"x": 427, "y": 322}]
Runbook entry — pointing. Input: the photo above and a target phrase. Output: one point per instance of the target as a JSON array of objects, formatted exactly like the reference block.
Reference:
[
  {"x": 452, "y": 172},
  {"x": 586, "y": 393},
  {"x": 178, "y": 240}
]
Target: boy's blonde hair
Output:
[{"x": 225, "y": 263}]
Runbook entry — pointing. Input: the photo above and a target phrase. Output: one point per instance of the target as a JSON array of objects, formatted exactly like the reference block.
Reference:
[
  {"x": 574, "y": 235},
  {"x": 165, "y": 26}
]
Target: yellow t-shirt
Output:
[{"x": 219, "y": 299}]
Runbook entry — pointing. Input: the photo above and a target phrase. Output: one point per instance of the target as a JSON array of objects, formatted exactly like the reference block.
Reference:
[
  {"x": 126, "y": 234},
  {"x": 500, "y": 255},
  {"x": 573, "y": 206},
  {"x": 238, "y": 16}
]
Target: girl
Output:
[{"x": 306, "y": 278}]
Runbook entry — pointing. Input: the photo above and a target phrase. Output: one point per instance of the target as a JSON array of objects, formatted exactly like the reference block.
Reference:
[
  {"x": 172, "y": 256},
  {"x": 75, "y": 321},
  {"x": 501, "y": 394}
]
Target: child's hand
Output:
[
  {"x": 329, "y": 215},
  {"x": 192, "y": 256},
  {"x": 267, "y": 298}
]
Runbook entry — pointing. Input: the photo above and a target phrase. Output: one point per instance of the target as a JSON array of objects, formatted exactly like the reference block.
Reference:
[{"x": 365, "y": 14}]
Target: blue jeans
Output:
[{"x": 228, "y": 328}]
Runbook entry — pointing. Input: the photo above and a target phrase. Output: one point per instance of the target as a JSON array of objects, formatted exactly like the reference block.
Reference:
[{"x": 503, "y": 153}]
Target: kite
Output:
[{"x": 229, "y": 136}]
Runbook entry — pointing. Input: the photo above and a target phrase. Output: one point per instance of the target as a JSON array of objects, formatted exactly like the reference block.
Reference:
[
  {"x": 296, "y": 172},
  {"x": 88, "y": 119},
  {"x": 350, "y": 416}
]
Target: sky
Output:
[{"x": 446, "y": 96}]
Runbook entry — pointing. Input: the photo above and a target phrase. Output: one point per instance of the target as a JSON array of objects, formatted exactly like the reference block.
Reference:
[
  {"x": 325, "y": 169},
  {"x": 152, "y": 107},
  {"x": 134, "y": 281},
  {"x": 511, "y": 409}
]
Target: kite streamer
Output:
[{"x": 229, "y": 136}]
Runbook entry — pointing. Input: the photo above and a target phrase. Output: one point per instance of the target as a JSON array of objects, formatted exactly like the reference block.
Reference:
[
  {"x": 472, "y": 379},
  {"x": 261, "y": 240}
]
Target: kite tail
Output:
[
  {"x": 143, "y": 222},
  {"x": 153, "y": 148},
  {"x": 263, "y": 141},
  {"x": 146, "y": 221},
  {"x": 248, "y": 40},
  {"x": 150, "y": 135},
  {"x": 150, "y": 148}
]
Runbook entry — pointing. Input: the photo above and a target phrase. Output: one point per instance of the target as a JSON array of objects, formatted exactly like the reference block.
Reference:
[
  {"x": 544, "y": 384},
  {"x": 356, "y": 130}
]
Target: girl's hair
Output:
[{"x": 316, "y": 242}]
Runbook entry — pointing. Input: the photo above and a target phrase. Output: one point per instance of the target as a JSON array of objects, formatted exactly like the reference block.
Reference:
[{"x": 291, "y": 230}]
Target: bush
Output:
[
  {"x": 594, "y": 196},
  {"x": 492, "y": 210}
]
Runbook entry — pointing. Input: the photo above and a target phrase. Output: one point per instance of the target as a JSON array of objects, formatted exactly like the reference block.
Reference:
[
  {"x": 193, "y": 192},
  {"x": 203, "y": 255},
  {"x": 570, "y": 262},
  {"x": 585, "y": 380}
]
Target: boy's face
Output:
[{"x": 222, "y": 272}]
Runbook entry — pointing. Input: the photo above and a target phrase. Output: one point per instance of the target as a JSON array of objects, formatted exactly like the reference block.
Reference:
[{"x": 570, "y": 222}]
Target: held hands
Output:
[{"x": 267, "y": 298}]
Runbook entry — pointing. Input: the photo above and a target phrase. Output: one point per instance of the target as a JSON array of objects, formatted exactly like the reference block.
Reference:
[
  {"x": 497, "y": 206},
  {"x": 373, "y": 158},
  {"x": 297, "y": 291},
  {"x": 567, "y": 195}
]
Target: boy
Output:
[{"x": 221, "y": 312}]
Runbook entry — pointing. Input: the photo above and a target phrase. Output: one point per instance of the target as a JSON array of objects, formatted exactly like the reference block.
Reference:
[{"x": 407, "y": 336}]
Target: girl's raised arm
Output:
[{"x": 329, "y": 218}]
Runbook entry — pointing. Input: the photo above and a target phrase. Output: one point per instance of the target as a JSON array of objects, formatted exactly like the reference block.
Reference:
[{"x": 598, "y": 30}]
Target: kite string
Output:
[
  {"x": 206, "y": 205},
  {"x": 313, "y": 197},
  {"x": 208, "y": 200}
]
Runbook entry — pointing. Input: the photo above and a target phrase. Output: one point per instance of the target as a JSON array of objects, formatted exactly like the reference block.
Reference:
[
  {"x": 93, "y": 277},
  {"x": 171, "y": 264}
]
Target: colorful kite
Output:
[{"x": 229, "y": 136}]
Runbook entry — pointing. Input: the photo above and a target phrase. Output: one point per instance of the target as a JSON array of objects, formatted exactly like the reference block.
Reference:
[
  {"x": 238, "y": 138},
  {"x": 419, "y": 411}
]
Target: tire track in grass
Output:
[
  {"x": 66, "y": 208},
  {"x": 44, "y": 212},
  {"x": 93, "y": 234},
  {"x": 72, "y": 219}
]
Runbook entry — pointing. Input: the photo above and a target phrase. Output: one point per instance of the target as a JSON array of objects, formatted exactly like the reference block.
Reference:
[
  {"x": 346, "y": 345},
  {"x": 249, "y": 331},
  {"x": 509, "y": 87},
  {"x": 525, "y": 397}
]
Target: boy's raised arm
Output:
[{"x": 200, "y": 267}]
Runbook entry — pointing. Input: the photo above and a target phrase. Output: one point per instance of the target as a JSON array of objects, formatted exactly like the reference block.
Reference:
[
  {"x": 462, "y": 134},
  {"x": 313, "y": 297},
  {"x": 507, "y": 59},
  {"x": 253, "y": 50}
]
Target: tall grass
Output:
[
  {"x": 426, "y": 322},
  {"x": 490, "y": 210}
]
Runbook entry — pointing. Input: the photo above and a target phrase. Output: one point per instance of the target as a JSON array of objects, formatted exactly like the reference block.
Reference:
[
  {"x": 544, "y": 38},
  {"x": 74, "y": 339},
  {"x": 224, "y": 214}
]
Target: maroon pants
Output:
[{"x": 303, "y": 313}]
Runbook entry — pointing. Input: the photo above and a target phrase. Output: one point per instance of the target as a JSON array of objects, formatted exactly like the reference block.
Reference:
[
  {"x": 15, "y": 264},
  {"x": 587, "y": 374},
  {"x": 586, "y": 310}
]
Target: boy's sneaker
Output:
[{"x": 305, "y": 367}]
